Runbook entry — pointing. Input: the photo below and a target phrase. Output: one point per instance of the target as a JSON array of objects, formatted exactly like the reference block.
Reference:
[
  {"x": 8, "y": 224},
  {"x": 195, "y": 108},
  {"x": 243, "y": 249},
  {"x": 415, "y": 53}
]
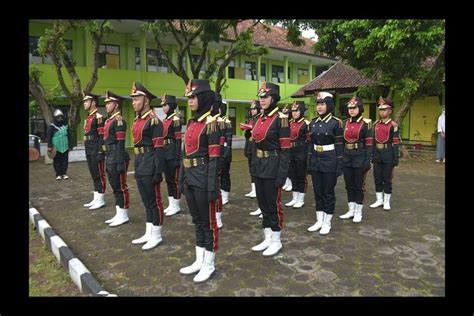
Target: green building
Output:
[{"x": 129, "y": 55}]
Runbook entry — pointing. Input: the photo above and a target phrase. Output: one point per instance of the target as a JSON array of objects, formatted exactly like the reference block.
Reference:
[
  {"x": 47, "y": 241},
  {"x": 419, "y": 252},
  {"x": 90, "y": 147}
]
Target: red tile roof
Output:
[
  {"x": 276, "y": 38},
  {"x": 339, "y": 76}
]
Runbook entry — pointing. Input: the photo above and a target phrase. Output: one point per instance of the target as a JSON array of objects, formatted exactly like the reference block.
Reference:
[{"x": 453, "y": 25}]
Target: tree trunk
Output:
[
  {"x": 405, "y": 107},
  {"x": 74, "y": 116},
  {"x": 37, "y": 91}
]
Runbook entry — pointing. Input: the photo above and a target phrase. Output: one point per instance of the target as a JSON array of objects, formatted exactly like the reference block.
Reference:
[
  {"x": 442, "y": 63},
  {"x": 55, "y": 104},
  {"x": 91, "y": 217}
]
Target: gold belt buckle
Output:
[
  {"x": 136, "y": 150},
  {"x": 104, "y": 147},
  {"x": 380, "y": 146},
  {"x": 186, "y": 163},
  {"x": 85, "y": 138},
  {"x": 259, "y": 153},
  {"x": 318, "y": 148},
  {"x": 350, "y": 146}
]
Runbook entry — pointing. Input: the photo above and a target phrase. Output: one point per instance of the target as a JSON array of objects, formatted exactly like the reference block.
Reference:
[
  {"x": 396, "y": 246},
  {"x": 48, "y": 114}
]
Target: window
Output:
[
  {"x": 263, "y": 72},
  {"x": 137, "y": 59},
  {"x": 109, "y": 56},
  {"x": 231, "y": 69},
  {"x": 289, "y": 74},
  {"x": 250, "y": 71},
  {"x": 277, "y": 74},
  {"x": 155, "y": 61},
  {"x": 35, "y": 57}
]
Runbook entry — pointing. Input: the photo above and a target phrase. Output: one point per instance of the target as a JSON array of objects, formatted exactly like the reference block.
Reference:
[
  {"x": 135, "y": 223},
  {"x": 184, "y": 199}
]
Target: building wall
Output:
[{"x": 120, "y": 80}]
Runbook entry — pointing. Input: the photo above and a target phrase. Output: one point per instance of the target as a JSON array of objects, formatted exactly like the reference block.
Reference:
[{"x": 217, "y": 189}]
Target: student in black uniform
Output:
[
  {"x": 198, "y": 179},
  {"x": 171, "y": 152},
  {"x": 116, "y": 157},
  {"x": 385, "y": 153},
  {"x": 325, "y": 160},
  {"x": 356, "y": 158},
  {"x": 147, "y": 133},
  {"x": 93, "y": 140},
  {"x": 270, "y": 166}
]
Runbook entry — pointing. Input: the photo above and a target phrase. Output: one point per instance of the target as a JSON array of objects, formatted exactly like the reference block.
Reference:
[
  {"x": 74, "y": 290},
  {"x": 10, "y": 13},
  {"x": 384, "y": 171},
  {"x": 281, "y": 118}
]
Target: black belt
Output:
[
  {"x": 90, "y": 137},
  {"x": 106, "y": 147},
  {"x": 266, "y": 153},
  {"x": 194, "y": 162},
  {"x": 351, "y": 146},
  {"x": 297, "y": 143},
  {"x": 168, "y": 141},
  {"x": 142, "y": 150},
  {"x": 382, "y": 146}
]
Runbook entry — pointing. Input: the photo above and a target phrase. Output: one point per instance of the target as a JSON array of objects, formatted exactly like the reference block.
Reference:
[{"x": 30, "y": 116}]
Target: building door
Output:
[{"x": 424, "y": 118}]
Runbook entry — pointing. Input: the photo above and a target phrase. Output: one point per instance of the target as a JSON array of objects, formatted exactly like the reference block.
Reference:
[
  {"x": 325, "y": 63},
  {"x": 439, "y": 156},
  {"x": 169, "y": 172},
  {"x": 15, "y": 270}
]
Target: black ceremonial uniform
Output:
[
  {"x": 357, "y": 154},
  {"x": 93, "y": 140},
  {"x": 271, "y": 134},
  {"x": 147, "y": 132},
  {"x": 117, "y": 158},
  {"x": 198, "y": 178},
  {"x": 172, "y": 149},
  {"x": 299, "y": 130}
]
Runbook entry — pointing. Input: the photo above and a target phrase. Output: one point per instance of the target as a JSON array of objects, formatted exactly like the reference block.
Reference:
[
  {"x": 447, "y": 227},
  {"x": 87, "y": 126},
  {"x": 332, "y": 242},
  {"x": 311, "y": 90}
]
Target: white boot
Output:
[
  {"x": 386, "y": 201},
  {"x": 253, "y": 192},
  {"x": 289, "y": 187},
  {"x": 207, "y": 267},
  {"x": 219, "y": 219},
  {"x": 286, "y": 184},
  {"x": 256, "y": 212},
  {"x": 155, "y": 238},
  {"x": 295, "y": 198},
  {"x": 145, "y": 237},
  {"x": 93, "y": 200},
  {"x": 196, "y": 266},
  {"x": 319, "y": 222},
  {"x": 351, "y": 212},
  {"x": 326, "y": 228},
  {"x": 358, "y": 213},
  {"x": 174, "y": 207},
  {"x": 170, "y": 205},
  {"x": 225, "y": 197},
  {"x": 100, "y": 202},
  {"x": 267, "y": 232},
  {"x": 115, "y": 216},
  {"x": 379, "y": 201},
  {"x": 122, "y": 217},
  {"x": 275, "y": 244},
  {"x": 299, "y": 201}
]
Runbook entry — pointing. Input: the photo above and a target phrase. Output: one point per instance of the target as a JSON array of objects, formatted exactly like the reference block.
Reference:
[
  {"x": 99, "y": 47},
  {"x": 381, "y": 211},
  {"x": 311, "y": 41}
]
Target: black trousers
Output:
[
  {"x": 249, "y": 160},
  {"x": 383, "y": 175},
  {"x": 269, "y": 201},
  {"x": 297, "y": 174},
  {"x": 355, "y": 184},
  {"x": 203, "y": 214},
  {"x": 118, "y": 182},
  {"x": 324, "y": 194},
  {"x": 171, "y": 177},
  {"x": 96, "y": 169},
  {"x": 220, "y": 205},
  {"x": 225, "y": 174},
  {"x": 151, "y": 199},
  {"x": 60, "y": 163}
]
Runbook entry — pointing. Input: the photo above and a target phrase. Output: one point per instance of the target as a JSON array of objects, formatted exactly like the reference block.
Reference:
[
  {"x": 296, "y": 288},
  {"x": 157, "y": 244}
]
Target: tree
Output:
[
  {"x": 407, "y": 56},
  {"x": 51, "y": 44},
  {"x": 201, "y": 33}
]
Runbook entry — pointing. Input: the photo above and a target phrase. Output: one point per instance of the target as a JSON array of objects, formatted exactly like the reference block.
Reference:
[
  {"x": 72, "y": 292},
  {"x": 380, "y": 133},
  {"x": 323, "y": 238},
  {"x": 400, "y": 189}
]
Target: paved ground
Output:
[{"x": 395, "y": 253}]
